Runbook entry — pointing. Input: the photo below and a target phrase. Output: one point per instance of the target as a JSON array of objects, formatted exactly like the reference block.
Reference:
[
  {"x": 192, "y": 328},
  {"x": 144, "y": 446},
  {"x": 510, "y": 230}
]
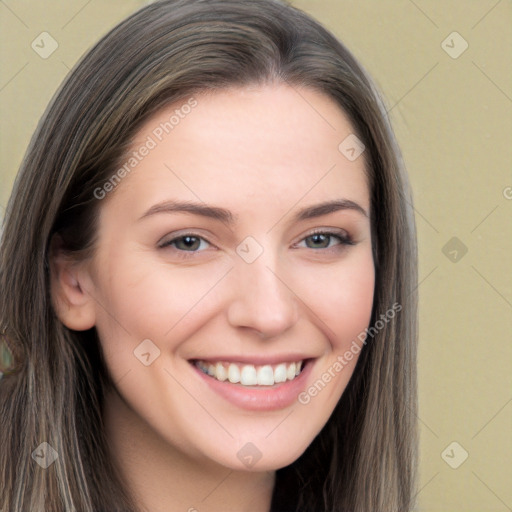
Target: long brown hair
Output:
[{"x": 364, "y": 459}]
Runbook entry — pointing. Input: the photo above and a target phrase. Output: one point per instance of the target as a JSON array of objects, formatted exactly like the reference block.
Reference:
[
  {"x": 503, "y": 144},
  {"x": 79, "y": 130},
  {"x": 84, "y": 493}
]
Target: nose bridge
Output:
[{"x": 261, "y": 298}]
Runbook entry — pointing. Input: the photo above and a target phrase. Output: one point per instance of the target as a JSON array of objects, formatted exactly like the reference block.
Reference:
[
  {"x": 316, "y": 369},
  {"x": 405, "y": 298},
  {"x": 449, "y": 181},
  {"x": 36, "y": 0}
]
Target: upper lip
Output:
[{"x": 257, "y": 360}]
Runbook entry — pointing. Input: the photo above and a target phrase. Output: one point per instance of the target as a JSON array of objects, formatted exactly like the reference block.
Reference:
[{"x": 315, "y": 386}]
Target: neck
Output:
[{"x": 164, "y": 479}]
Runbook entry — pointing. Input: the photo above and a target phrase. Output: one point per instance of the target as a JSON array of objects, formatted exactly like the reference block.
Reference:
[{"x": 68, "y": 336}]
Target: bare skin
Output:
[{"x": 264, "y": 154}]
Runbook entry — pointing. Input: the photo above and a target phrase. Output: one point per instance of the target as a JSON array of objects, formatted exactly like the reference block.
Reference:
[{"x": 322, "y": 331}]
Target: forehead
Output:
[{"x": 259, "y": 147}]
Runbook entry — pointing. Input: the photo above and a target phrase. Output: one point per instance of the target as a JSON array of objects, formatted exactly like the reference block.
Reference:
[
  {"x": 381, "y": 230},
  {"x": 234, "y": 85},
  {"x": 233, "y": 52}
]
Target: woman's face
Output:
[{"x": 207, "y": 258}]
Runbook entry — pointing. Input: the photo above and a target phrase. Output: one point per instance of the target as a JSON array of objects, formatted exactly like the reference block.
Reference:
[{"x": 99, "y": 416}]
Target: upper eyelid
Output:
[
  {"x": 166, "y": 241},
  {"x": 344, "y": 238},
  {"x": 336, "y": 232}
]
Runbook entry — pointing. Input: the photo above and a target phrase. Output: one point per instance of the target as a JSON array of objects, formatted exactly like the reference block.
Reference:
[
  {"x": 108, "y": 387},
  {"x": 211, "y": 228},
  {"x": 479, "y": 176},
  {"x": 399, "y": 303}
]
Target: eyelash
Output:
[{"x": 344, "y": 240}]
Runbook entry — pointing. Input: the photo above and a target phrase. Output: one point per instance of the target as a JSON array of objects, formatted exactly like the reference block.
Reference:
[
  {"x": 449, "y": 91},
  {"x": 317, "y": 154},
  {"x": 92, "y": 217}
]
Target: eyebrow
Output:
[
  {"x": 318, "y": 210},
  {"x": 202, "y": 209},
  {"x": 223, "y": 215}
]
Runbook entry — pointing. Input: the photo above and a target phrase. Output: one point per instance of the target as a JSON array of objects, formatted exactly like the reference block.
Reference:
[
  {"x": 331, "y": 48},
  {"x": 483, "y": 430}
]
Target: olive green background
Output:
[{"x": 452, "y": 117}]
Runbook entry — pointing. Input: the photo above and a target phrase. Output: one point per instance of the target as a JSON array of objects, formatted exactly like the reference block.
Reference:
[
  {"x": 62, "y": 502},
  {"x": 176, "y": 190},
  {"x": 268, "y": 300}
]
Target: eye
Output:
[
  {"x": 189, "y": 242},
  {"x": 327, "y": 239}
]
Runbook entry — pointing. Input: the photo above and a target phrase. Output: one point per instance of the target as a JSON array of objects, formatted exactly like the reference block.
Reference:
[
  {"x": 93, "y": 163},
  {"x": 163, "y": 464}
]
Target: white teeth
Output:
[
  {"x": 290, "y": 371},
  {"x": 280, "y": 373},
  {"x": 266, "y": 376},
  {"x": 233, "y": 373},
  {"x": 251, "y": 375},
  {"x": 248, "y": 376},
  {"x": 220, "y": 372}
]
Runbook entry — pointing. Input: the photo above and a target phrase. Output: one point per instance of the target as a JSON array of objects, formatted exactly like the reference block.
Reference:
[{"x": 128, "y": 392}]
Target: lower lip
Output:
[{"x": 265, "y": 398}]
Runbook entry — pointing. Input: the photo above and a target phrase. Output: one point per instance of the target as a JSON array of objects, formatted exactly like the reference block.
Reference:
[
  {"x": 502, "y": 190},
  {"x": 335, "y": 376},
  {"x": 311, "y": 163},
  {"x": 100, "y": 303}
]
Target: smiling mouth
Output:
[{"x": 251, "y": 375}]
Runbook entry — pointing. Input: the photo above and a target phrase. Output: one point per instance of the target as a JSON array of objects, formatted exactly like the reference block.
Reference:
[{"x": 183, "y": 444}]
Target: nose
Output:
[{"x": 262, "y": 300}]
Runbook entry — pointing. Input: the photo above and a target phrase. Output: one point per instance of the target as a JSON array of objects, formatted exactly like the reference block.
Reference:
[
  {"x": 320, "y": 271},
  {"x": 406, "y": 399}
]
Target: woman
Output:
[{"x": 208, "y": 269}]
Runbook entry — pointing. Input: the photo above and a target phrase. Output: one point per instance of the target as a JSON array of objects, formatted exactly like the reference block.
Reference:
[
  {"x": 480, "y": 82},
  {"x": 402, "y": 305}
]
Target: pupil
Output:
[
  {"x": 319, "y": 239},
  {"x": 189, "y": 241}
]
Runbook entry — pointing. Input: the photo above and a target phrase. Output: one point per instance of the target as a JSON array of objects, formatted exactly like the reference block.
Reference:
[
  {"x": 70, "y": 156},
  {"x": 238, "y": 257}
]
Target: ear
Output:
[{"x": 74, "y": 307}]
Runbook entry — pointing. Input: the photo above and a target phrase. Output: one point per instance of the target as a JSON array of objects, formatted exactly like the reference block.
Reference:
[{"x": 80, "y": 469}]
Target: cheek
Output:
[
  {"x": 342, "y": 298},
  {"x": 152, "y": 301},
  {"x": 344, "y": 306},
  {"x": 351, "y": 306}
]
